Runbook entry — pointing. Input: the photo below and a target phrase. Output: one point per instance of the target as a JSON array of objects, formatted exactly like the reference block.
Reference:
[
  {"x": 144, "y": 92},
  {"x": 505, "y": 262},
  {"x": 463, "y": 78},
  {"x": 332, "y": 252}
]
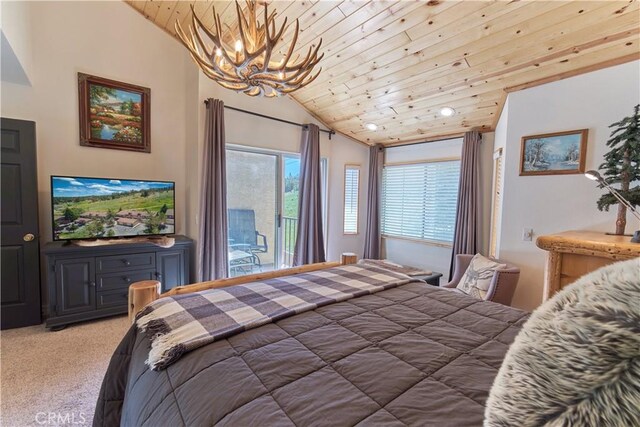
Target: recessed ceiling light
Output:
[
  {"x": 447, "y": 111},
  {"x": 371, "y": 126}
]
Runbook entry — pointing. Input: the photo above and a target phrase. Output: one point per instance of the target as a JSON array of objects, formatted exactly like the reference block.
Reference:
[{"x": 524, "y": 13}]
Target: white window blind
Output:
[
  {"x": 351, "y": 185},
  {"x": 419, "y": 200}
]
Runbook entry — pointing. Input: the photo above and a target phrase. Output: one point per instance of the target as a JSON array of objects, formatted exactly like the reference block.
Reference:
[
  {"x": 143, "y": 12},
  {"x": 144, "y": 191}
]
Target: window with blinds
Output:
[
  {"x": 351, "y": 187},
  {"x": 419, "y": 200}
]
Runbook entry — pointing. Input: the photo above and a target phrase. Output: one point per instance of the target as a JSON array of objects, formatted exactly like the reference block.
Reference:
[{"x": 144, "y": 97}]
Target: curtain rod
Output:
[
  {"x": 264, "y": 116},
  {"x": 424, "y": 142}
]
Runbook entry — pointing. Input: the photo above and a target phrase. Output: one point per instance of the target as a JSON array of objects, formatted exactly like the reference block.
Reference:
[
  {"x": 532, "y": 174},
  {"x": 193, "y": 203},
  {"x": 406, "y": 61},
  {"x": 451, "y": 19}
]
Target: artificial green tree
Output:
[{"x": 622, "y": 166}]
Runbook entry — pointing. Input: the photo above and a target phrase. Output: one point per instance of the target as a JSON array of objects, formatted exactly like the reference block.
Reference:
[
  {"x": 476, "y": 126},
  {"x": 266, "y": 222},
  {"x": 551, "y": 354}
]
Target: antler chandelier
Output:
[{"x": 243, "y": 62}]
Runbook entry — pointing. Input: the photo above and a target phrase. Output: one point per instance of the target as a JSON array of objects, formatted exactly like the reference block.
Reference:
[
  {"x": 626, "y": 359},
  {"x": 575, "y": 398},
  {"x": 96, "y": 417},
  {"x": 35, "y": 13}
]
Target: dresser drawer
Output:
[
  {"x": 140, "y": 261},
  {"x": 110, "y": 299},
  {"x": 122, "y": 280}
]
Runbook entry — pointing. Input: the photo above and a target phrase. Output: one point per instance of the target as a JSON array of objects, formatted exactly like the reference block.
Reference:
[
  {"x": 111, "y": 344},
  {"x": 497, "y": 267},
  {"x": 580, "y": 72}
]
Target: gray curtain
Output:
[
  {"x": 309, "y": 239},
  {"x": 465, "y": 238},
  {"x": 372, "y": 237},
  {"x": 212, "y": 234}
]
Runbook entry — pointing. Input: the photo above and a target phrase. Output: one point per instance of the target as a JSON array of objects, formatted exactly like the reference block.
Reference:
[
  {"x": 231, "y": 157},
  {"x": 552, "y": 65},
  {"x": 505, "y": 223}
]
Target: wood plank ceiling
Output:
[{"x": 396, "y": 63}]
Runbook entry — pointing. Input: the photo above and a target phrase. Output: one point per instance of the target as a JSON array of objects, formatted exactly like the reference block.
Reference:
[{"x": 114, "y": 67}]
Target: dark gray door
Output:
[
  {"x": 20, "y": 277},
  {"x": 75, "y": 286}
]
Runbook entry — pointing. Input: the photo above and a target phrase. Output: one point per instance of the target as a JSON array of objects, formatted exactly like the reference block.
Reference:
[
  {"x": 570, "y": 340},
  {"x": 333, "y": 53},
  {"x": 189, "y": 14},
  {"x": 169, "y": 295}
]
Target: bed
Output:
[{"x": 411, "y": 354}]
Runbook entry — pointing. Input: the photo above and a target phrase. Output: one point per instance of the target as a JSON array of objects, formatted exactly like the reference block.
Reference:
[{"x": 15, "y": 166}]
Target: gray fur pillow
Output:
[{"x": 576, "y": 362}]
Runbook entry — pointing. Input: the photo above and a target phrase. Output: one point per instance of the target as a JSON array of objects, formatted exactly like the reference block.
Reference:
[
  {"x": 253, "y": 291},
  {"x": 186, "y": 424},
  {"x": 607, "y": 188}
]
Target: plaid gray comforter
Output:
[{"x": 176, "y": 325}]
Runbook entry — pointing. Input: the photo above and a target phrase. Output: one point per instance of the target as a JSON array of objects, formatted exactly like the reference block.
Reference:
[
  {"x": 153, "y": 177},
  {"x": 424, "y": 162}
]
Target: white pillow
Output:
[{"x": 477, "y": 279}]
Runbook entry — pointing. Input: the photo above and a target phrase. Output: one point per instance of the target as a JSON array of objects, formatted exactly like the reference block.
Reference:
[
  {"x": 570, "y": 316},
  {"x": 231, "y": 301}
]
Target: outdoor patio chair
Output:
[{"x": 243, "y": 235}]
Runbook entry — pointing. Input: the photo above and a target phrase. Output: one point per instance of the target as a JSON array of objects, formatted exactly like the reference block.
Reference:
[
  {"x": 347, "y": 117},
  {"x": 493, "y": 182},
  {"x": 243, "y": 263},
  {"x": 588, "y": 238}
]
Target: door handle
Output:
[{"x": 28, "y": 237}]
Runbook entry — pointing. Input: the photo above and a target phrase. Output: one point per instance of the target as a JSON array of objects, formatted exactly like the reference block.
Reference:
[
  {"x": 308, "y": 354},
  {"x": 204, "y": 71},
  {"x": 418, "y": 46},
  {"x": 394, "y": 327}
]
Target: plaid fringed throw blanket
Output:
[{"x": 178, "y": 324}]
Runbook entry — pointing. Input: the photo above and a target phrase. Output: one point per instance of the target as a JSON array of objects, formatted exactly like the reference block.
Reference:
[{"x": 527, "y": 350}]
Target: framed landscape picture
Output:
[
  {"x": 114, "y": 114},
  {"x": 554, "y": 153}
]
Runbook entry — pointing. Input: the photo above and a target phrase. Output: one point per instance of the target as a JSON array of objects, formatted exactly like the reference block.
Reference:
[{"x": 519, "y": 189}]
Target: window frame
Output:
[
  {"x": 431, "y": 242},
  {"x": 357, "y": 167}
]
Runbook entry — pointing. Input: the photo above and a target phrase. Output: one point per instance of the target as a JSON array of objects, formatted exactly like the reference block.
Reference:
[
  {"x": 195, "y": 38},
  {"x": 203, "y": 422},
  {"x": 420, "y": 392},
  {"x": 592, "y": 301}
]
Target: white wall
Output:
[
  {"x": 432, "y": 256},
  {"x": 550, "y": 204},
  {"x": 17, "y": 51},
  {"x": 72, "y": 37},
  {"x": 343, "y": 152},
  {"x": 252, "y": 131}
]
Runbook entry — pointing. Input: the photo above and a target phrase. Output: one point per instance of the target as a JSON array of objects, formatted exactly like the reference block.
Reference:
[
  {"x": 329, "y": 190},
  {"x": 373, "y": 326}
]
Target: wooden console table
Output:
[{"x": 573, "y": 254}]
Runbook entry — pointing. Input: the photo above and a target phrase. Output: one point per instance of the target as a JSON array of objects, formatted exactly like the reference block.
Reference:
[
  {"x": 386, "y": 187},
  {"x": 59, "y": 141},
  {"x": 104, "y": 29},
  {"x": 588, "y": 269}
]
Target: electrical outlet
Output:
[{"x": 527, "y": 234}]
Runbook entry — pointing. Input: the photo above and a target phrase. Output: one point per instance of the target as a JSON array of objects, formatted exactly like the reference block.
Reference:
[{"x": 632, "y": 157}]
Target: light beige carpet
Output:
[{"x": 53, "y": 378}]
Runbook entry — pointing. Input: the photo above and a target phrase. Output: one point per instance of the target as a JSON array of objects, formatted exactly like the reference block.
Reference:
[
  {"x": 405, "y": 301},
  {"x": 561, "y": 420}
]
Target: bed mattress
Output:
[{"x": 412, "y": 355}]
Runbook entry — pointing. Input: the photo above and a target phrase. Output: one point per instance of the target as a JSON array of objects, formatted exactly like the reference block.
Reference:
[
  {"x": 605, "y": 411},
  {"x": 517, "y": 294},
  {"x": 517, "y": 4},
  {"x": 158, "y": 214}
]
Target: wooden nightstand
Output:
[{"x": 432, "y": 279}]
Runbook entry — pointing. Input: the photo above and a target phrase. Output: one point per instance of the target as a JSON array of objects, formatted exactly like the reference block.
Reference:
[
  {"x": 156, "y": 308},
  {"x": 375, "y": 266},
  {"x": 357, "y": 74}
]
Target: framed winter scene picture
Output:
[{"x": 558, "y": 153}]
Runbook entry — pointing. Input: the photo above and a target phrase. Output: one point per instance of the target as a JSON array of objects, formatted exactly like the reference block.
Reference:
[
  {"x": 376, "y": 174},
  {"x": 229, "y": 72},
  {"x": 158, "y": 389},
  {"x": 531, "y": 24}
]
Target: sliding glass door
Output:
[
  {"x": 252, "y": 211},
  {"x": 262, "y": 205}
]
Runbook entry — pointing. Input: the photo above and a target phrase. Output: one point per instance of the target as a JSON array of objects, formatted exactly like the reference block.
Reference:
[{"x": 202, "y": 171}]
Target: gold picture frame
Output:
[
  {"x": 114, "y": 114},
  {"x": 558, "y": 153}
]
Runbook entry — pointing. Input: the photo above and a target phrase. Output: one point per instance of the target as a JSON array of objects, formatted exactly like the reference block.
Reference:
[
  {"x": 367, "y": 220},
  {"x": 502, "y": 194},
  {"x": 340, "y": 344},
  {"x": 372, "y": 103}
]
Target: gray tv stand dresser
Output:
[{"x": 91, "y": 282}]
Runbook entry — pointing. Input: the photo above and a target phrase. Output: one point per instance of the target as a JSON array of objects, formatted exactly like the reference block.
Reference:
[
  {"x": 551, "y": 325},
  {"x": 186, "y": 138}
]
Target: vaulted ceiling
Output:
[{"x": 396, "y": 63}]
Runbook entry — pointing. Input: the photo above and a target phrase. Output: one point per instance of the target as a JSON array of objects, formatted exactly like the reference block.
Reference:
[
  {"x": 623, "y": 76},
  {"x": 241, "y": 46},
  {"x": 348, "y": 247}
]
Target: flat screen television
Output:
[{"x": 93, "y": 208}]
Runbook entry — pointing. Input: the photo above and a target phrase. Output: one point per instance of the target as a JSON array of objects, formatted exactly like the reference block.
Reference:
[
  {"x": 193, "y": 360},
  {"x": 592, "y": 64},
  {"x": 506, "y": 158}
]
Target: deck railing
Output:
[{"x": 290, "y": 229}]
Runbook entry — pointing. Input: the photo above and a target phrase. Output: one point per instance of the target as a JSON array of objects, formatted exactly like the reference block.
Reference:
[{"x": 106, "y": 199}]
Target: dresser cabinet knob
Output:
[{"x": 126, "y": 262}]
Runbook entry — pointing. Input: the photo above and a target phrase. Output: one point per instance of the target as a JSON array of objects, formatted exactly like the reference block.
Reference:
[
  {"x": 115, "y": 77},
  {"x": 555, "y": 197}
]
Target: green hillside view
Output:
[
  {"x": 136, "y": 201},
  {"x": 131, "y": 213},
  {"x": 291, "y": 204}
]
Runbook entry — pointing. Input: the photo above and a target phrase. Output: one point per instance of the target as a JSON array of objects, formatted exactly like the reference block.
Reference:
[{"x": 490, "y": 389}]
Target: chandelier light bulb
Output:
[{"x": 251, "y": 68}]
